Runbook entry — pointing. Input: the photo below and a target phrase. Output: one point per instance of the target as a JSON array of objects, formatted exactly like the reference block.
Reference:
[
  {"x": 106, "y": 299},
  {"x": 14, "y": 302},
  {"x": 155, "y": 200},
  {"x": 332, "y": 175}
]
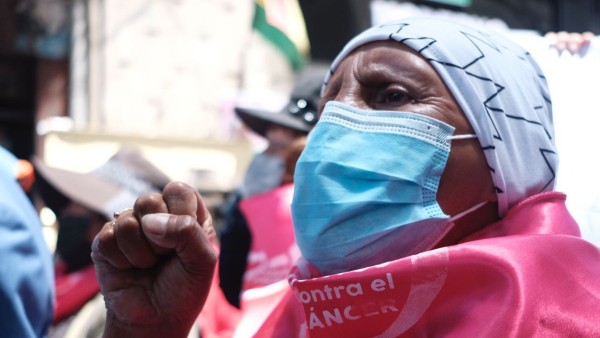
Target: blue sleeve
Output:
[{"x": 26, "y": 272}]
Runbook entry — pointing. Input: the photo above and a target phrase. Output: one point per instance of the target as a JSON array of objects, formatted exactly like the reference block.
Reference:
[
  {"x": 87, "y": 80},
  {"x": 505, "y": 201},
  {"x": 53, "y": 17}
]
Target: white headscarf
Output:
[{"x": 501, "y": 90}]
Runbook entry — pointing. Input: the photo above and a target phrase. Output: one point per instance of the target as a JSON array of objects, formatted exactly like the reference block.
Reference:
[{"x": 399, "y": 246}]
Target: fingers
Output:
[
  {"x": 150, "y": 204},
  {"x": 182, "y": 233},
  {"x": 130, "y": 238},
  {"x": 105, "y": 248},
  {"x": 179, "y": 228},
  {"x": 204, "y": 217},
  {"x": 587, "y": 38},
  {"x": 133, "y": 243},
  {"x": 574, "y": 43},
  {"x": 156, "y": 225},
  {"x": 182, "y": 199},
  {"x": 122, "y": 242}
]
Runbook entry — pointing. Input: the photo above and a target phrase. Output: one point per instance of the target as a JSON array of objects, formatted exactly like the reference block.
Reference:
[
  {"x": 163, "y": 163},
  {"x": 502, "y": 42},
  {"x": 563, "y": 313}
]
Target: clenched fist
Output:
[{"x": 155, "y": 264}]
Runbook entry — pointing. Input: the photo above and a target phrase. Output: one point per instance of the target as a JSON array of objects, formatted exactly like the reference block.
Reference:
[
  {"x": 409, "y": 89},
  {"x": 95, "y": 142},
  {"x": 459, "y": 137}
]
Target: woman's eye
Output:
[{"x": 395, "y": 97}]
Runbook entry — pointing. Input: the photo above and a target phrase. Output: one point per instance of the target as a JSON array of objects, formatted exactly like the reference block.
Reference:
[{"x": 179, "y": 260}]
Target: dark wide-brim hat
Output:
[
  {"x": 113, "y": 186},
  {"x": 300, "y": 113}
]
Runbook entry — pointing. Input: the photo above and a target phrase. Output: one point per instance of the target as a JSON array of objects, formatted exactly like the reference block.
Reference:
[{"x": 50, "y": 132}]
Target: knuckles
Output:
[
  {"x": 106, "y": 239},
  {"x": 127, "y": 226},
  {"x": 176, "y": 189},
  {"x": 149, "y": 203},
  {"x": 176, "y": 198},
  {"x": 105, "y": 248}
]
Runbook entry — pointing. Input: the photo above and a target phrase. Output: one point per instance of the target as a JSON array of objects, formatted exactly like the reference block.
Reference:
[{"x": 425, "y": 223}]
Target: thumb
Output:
[{"x": 183, "y": 234}]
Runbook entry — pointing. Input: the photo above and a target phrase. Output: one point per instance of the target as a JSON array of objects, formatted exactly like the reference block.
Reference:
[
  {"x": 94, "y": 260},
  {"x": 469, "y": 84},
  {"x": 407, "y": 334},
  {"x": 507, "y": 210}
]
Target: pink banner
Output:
[{"x": 528, "y": 275}]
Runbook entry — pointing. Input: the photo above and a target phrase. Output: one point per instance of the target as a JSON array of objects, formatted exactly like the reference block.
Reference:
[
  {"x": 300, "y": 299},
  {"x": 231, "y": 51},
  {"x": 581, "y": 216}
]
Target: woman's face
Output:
[{"x": 390, "y": 76}]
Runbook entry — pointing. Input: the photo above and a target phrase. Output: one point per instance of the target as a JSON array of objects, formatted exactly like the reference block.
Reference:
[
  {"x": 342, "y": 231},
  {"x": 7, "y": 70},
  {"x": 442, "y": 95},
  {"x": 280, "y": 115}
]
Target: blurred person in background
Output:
[
  {"x": 83, "y": 202},
  {"x": 26, "y": 287},
  {"x": 265, "y": 173},
  {"x": 256, "y": 244},
  {"x": 272, "y": 253},
  {"x": 273, "y": 250}
]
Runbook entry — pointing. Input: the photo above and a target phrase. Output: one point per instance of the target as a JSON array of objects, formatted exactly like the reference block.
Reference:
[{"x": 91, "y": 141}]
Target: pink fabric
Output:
[
  {"x": 73, "y": 290},
  {"x": 218, "y": 318},
  {"x": 273, "y": 251},
  {"x": 260, "y": 304},
  {"x": 272, "y": 254},
  {"x": 529, "y": 275}
]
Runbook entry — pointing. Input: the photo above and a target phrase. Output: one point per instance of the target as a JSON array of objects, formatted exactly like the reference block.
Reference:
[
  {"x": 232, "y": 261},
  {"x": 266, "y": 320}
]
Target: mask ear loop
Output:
[
  {"x": 461, "y": 137},
  {"x": 468, "y": 211},
  {"x": 478, "y": 205}
]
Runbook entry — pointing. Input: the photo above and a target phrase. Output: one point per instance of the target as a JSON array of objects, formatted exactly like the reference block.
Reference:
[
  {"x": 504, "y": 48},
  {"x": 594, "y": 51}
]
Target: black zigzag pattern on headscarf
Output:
[
  {"x": 474, "y": 40},
  {"x": 530, "y": 59},
  {"x": 486, "y": 104},
  {"x": 499, "y": 88},
  {"x": 545, "y": 153}
]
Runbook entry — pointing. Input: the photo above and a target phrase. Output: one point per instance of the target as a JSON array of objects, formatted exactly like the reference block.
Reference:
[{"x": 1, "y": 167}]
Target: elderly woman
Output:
[{"x": 424, "y": 206}]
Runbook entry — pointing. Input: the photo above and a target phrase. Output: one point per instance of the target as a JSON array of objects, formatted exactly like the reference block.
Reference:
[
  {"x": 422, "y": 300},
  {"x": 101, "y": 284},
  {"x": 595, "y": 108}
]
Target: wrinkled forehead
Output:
[{"x": 431, "y": 38}]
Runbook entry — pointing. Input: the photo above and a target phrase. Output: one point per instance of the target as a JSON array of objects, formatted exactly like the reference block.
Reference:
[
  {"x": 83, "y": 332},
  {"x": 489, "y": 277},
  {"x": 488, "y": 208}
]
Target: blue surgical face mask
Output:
[{"x": 366, "y": 185}]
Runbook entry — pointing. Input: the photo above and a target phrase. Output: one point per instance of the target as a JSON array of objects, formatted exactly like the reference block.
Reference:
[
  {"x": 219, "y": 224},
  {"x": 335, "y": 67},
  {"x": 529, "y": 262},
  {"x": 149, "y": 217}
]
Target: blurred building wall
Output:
[
  {"x": 163, "y": 68},
  {"x": 173, "y": 69},
  {"x": 164, "y": 76}
]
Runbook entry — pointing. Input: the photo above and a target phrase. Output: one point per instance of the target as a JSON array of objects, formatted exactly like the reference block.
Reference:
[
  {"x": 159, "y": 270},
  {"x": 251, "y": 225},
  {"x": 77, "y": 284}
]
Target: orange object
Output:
[{"x": 25, "y": 174}]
